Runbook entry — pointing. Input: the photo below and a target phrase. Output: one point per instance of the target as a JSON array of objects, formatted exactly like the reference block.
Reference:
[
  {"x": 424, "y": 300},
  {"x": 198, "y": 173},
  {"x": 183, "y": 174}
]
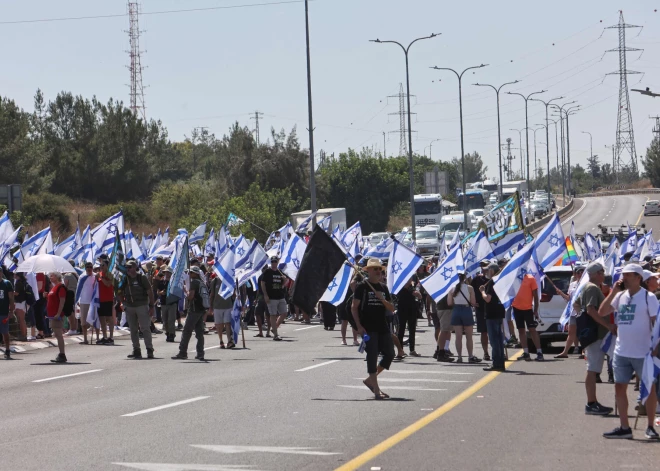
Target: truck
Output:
[
  {"x": 516, "y": 185},
  {"x": 338, "y": 216},
  {"x": 428, "y": 209}
]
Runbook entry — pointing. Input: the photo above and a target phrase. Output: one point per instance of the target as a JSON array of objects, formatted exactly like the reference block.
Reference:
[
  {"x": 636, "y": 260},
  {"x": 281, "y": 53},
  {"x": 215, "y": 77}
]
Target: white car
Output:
[
  {"x": 477, "y": 215},
  {"x": 651, "y": 207},
  {"x": 428, "y": 240},
  {"x": 376, "y": 238},
  {"x": 552, "y": 305},
  {"x": 492, "y": 199}
]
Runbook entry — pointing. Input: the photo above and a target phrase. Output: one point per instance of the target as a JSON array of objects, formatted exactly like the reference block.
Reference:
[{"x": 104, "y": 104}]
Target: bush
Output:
[
  {"x": 43, "y": 207},
  {"x": 133, "y": 212}
]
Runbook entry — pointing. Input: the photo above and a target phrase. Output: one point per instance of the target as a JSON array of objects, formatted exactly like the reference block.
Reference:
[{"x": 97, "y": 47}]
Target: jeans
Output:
[
  {"x": 379, "y": 343},
  {"x": 168, "y": 313},
  {"x": 411, "y": 319},
  {"x": 496, "y": 338},
  {"x": 194, "y": 321},
  {"x": 138, "y": 317}
]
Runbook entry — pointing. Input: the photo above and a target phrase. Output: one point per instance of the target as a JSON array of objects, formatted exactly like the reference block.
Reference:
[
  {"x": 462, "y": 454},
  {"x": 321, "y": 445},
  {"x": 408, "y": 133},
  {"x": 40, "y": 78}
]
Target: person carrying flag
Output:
[
  {"x": 196, "y": 315},
  {"x": 272, "y": 285}
]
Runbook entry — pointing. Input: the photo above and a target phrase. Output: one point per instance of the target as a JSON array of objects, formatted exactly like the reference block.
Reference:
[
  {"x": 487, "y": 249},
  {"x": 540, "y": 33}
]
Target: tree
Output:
[
  {"x": 475, "y": 171},
  {"x": 593, "y": 166}
]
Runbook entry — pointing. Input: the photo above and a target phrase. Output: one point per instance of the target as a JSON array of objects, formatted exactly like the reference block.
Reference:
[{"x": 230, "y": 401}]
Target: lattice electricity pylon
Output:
[
  {"x": 135, "y": 68},
  {"x": 403, "y": 129},
  {"x": 625, "y": 136}
]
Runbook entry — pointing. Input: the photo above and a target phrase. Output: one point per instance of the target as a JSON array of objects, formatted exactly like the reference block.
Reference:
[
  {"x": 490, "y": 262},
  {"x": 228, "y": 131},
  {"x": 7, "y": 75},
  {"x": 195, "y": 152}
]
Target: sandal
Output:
[
  {"x": 231, "y": 345},
  {"x": 222, "y": 345},
  {"x": 84, "y": 342},
  {"x": 561, "y": 355},
  {"x": 371, "y": 388},
  {"x": 39, "y": 337},
  {"x": 259, "y": 335}
]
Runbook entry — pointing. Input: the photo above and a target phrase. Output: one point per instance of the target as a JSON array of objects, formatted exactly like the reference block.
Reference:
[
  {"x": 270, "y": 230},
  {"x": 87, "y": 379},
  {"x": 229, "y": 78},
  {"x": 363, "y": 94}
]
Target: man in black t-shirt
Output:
[
  {"x": 371, "y": 301},
  {"x": 272, "y": 285},
  {"x": 477, "y": 282}
]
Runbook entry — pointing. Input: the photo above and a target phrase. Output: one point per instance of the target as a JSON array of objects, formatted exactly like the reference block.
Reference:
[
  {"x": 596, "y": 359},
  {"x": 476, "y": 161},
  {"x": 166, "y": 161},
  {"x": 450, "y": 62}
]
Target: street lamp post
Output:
[
  {"x": 568, "y": 112},
  {"x": 547, "y": 140},
  {"x": 536, "y": 171},
  {"x": 526, "y": 98},
  {"x": 554, "y": 121},
  {"x": 591, "y": 143},
  {"x": 410, "y": 151},
  {"x": 460, "y": 108},
  {"x": 312, "y": 177},
  {"x": 563, "y": 148},
  {"x": 519, "y": 131},
  {"x": 431, "y": 148},
  {"x": 499, "y": 134}
]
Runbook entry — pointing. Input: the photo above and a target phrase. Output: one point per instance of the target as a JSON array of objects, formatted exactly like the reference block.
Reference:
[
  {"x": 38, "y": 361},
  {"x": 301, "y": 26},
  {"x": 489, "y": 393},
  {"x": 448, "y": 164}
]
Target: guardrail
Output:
[
  {"x": 537, "y": 225},
  {"x": 641, "y": 191}
]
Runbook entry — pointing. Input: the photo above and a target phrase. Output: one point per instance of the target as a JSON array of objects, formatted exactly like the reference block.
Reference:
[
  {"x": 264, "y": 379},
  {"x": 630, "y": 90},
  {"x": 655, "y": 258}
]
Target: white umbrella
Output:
[{"x": 45, "y": 263}]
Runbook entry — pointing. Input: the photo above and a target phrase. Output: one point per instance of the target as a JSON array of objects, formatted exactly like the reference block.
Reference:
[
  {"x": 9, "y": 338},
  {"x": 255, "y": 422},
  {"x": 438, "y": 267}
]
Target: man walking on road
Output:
[
  {"x": 196, "y": 316},
  {"x": 168, "y": 305},
  {"x": 221, "y": 310},
  {"x": 526, "y": 312},
  {"x": 139, "y": 305},
  {"x": 637, "y": 310},
  {"x": 272, "y": 284},
  {"x": 590, "y": 300},
  {"x": 6, "y": 307}
]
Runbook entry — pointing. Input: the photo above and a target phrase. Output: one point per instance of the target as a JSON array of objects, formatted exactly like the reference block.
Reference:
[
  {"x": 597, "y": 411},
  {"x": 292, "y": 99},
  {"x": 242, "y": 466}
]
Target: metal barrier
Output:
[
  {"x": 641, "y": 191},
  {"x": 537, "y": 225}
]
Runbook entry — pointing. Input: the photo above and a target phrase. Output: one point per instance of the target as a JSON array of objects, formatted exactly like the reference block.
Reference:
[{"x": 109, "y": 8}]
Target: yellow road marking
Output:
[
  {"x": 398, "y": 437},
  {"x": 642, "y": 213}
]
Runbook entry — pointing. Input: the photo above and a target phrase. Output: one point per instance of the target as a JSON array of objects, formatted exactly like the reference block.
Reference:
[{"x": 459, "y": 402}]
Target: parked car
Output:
[
  {"x": 476, "y": 215},
  {"x": 652, "y": 207},
  {"x": 428, "y": 240},
  {"x": 376, "y": 238},
  {"x": 552, "y": 305}
]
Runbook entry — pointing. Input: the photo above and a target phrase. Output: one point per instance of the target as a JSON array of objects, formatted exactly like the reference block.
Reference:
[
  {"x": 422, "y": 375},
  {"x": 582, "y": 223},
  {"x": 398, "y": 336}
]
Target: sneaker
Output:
[
  {"x": 277, "y": 338},
  {"x": 474, "y": 359},
  {"x": 526, "y": 357},
  {"x": 651, "y": 434},
  {"x": 356, "y": 343},
  {"x": 435, "y": 354},
  {"x": 102, "y": 341},
  {"x": 7, "y": 355},
  {"x": 150, "y": 353},
  {"x": 199, "y": 357},
  {"x": 597, "y": 409},
  {"x": 413, "y": 353},
  {"x": 459, "y": 360},
  {"x": 343, "y": 342},
  {"x": 179, "y": 326},
  {"x": 71, "y": 332},
  {"x": 442, "y": 356},
  {"x": 180, "y": 356},
  {"x": 110, "y": 341},
  {"x": 494, "y": 368},
  {"x": 31, "y": 338},
  {"x": 136, "y": 355},
  {"x": 619, "y": 433},
  {"x": 169, "y": 338},
  {"x": 449, "y": 353},
  {"x": 487, "y": 357},
  {"x": 539, "y": 357},
  {"x": 61, "y": 358}
]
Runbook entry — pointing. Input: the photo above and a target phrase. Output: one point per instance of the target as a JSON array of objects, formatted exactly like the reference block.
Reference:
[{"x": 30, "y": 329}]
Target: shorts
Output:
[
  {"x": 4, "y": 325},
  {"x": 222, "y": 316},
  {"x": 105, "y": 309},
  {"x": 461, "y": 316},
  {"x": 434, "y": 319},
  {"x": 56, "y": 323},
  {"x": 481, "y": 321},
  {"x": 277, "y": 306},
  {"x": 572, "y": 320},
  {"x": 524, "y": 316},
  {"x": 595, "y": 357},
  {"x": 444, "y": 319},
  {"x": 261, "y": 309},
  {"x": 624, "y": 366},
  {"x": 21, "y": 306}
]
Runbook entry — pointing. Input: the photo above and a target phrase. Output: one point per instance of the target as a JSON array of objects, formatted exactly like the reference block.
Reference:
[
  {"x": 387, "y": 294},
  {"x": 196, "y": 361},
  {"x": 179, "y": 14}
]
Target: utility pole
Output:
[
  {"x": 384, "y": 149},
  {"x": 312, "y": 177},
  {"x": 257, "y": 115},
  {"x": 431, "y": 148},
  {"x": 135, "y": 68},
  {"x": 656, "y": 128}
]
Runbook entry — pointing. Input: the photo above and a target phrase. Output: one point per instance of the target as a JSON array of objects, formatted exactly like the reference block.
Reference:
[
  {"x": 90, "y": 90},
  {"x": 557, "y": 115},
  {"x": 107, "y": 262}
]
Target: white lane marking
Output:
[
  {"x": 316, "y": 366},
  {"x": 416, "y": 380},
  {"x": 398, "y": 388},
  {"x": 584, "y": 205},
  {"x": 65, "y": 376},
  {"x": 185, "y": 467},
  {"x": 207, "y": 348},
  {"x": 166, "y": 406},
  {"x": 305, "y": 328},
  {"x": 413, "y": 372},
  {"x": 289, "y": 450}
]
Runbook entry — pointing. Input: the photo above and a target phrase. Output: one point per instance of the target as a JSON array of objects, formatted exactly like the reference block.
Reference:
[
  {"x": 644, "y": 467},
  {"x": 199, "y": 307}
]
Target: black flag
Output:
[{"x": 322, "y": 260}]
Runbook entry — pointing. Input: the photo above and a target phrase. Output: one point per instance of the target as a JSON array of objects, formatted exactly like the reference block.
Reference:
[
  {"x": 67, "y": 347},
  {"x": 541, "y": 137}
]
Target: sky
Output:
[{"x": 214, "y": 67}]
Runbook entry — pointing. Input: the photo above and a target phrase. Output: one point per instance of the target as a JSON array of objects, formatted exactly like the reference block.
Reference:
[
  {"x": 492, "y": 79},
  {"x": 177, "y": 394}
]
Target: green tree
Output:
[
  {"x": 475, "y": 170},
  {"x": 651, "y": 163}
]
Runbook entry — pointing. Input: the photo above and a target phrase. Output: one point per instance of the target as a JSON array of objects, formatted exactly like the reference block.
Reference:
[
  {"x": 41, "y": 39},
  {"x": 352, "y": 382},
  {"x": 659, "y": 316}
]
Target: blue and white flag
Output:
[
  {"x": 402, "y": 265},
  {"x": 503, "y": 246},
  {"x": 292, "y": 256},
  {"x": 575, "y": 295},
  {"x": 645, "y": 247},
  {"x": 241, "y": 248},
  {"x": 479, "y": 251},
  {"x": 104, "y": 234},
  {"x": 180, "y": 263},
  {"x": 32, "y": 245},
  {"x": 224, "y": 269},
  {"x": 8, "y": 243},
  {"x": 233, "y": 220},
  {"x": 455, "y": 239},
  {"x": 591, "y": 244},
  {"x": 47, "y": 248},
  {"x": 550, "y": 245},
  {"x": 607, "y": 344},
  {"x": 508, "y": 281},
  {"x": 338, "y": 287},
  {"x": 182, "y": 231},
  {"x": 258, "y": 259},
  {"x": 337, "y": 232},
  {"x": 445, "y": 276},
  {"x": 135, "y": 249},
  {"x": 93, "y": 313},
  {"x": 325, "y": 223},
  {"x": 166, "y": 237},
  {"x": 380, "y": 251},
  {"x": 222, "y": 241},
  {"x": 198, "y": 234},
  {"x": 650, "y": 371},
  {"x": 630, "y": 244},
  {"x": 352, "y": 233},
  {"x": 236, "y": 318},
  {"x": 6, "y": 227},
  {"x": 210, "y": 247},
  {"x": 306, "y": 225}
]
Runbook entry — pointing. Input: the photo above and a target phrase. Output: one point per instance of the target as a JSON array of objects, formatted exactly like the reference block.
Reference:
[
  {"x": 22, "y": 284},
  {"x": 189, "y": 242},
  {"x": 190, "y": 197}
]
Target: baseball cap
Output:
[
  {"x": 274, "y": 258},
  {"x": 648, "y": 274},
  {"x": 196, "y": 270},
  {"x": 633, "y": 268},
  {"x": 595, "y": 267}
]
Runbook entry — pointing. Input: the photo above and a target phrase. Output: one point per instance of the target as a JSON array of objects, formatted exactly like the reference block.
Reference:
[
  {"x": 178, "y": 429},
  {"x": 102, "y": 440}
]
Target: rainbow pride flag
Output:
[{"x": 570, "y": 256}]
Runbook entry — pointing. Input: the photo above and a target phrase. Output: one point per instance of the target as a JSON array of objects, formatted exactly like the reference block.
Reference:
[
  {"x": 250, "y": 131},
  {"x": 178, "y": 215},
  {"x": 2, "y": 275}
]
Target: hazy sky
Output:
[{"x": 211, "y": 68}]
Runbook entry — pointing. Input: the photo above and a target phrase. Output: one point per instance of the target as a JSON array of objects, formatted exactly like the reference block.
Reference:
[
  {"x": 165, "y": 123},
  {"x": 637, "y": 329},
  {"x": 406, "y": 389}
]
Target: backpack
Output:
[
  {"x": 29, "y": 295},
  {"x": 204, "y": 295}
]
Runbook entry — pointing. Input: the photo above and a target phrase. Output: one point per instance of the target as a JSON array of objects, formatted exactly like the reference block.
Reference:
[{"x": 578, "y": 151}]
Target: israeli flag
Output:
[
  {"x": 607, "y": 344},
  {"x": 550, "y": 245},
  {"x": 645, "y": 246},
  {"x": 179, "y": 264},
  {"x": 455, "y": 239},
  {"x": 446, "y": 275},
  {"x": 224, "y": 268},
  {"x": 591, "y": 244},
  {"x": 292, "y": 256},
  {"x": 325, "y": 223},
  {"x": 338, "y": 287},
  {"x": 402, "y": 265},
  {"x": 32, "y": 245},
  {"x": 352, "y": 233},
  {"x": 166, "y": 237},
  {"x": 198, "y": 234},
  {"x": 479, "y": 251},
  {"x": 650, "y": 372},
  {"x": 104, "y": 234},
  {"x": 236, "y": 318},
  {"x": 6, "y": 227},
  {"x": 241, "y": 247},
  {"x": 508, "y": 281},
  {"x": 9, "y": 242},
  {"x": 382, "y": 250},
  {"x": 630, "y": 244},
  {"x": 258, "y": 259},
  {"x": 47, "y": 247},
  {"x": 222, "y": 241},
  {"x": 93, "y": 313},
  {"x": 306, "y": 224},
  {"x": 134, "y": 248},
  {"x": 209, "y": 247},
  {"x": 566, "y": 314},
  {"x": 503, "y": 246},
  {"x": 337, "y": 232}
]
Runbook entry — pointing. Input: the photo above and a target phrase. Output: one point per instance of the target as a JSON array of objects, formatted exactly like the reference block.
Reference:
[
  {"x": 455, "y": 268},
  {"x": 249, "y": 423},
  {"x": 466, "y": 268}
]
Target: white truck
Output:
[
  {"x": 428, "y": 209},
  {"x": 516, "y": 185},
  {"x": 338, "y": 216}
]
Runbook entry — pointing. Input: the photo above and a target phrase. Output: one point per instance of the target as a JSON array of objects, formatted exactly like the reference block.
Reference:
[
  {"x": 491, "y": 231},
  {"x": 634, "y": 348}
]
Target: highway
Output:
[{"x": 300, "y": 405}]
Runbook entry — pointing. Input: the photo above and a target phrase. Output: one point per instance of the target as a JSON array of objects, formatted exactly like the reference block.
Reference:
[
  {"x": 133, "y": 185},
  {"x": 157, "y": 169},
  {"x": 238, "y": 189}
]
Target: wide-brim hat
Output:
[{"x": 374, "y": 263}]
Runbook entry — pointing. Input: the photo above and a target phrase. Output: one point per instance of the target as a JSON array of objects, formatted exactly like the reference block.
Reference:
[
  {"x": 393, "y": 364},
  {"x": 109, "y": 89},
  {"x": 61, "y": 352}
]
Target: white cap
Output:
[{"x": 633, "y": 268}]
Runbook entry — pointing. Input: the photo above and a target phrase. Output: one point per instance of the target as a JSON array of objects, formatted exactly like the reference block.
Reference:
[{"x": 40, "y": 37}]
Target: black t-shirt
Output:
[
  {"x": 162, "y": 286},
  {"x": 478, "y": 281},
  {"x": 372, "y": 311},
  {"x": 494, "y": 309},
  {"x": 274, "y": 281},
  {"x": 19, "y": 288},
  {"x": 407, "y": 305}
]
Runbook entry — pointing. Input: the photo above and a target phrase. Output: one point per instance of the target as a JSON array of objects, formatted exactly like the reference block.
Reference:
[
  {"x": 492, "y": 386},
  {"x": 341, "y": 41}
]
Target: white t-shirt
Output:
[
  {"x": 633, "y": 320},
  {"x": 87, "y": 290}
]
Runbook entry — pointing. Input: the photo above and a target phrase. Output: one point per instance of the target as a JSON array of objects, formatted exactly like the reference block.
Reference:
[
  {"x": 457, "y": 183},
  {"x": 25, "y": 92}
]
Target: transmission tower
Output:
[
  {"x": 135, "y": 68},
  {"x": 625, "y": 138},
  {"x": 509, "y": 158},
  {"x": 656, "y": 128},
  {"x": 401, "y": 96},
  {"x": 257, "y": 116}
]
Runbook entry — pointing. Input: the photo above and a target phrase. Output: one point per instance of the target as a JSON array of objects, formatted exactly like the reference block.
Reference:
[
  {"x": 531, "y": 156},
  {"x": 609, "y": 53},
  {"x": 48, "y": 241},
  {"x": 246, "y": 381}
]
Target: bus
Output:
[
  {"x": 473, "y": 199},
  {"x": 491, "y": 186},
  {"x": 428, "y": 209}
]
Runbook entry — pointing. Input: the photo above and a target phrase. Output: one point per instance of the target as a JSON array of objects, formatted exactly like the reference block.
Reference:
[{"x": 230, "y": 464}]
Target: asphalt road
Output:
[{"x": 300, "y": 405}]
